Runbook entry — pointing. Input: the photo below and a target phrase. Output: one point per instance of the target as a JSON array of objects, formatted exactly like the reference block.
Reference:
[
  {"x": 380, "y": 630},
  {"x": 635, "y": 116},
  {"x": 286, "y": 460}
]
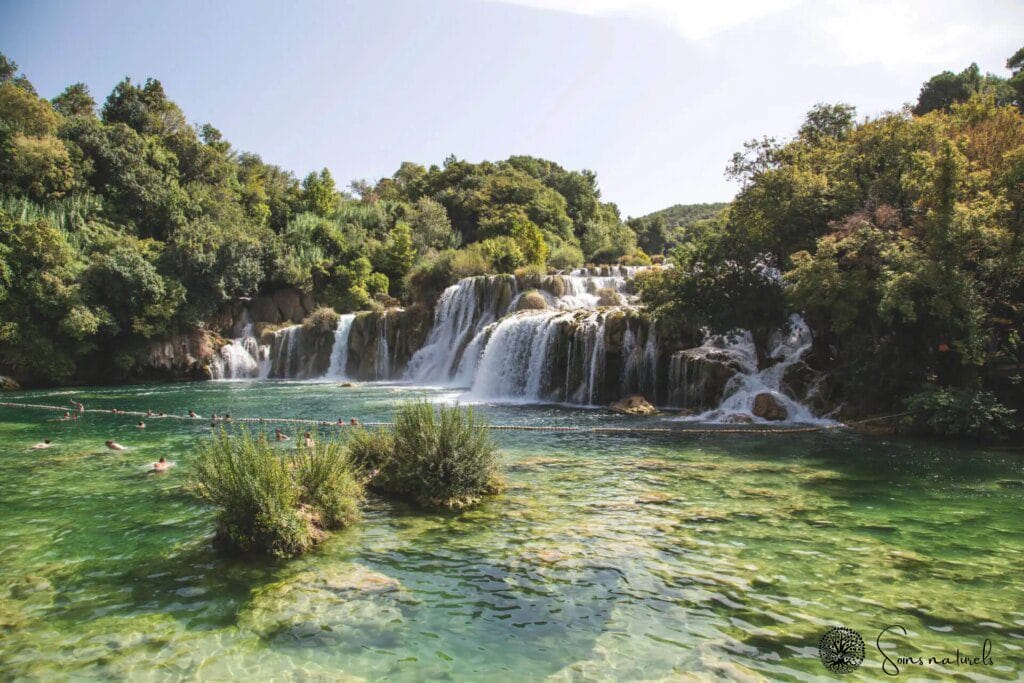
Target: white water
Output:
[
  {"x": 339, "y": 352},
  {"x": 788, "y": 347},
  {"x": 242, "y": 357}
]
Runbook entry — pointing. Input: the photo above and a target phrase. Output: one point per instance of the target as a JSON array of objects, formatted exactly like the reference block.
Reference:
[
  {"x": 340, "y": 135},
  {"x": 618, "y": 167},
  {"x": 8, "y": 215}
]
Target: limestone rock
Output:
[
  {"x": 264, "y": 310},
  {"x": 768, "y": 407},
  {"x": 8, "y": 384},
  {"x": 634, "y": 405},
  {"x": 289, "y": 304}
]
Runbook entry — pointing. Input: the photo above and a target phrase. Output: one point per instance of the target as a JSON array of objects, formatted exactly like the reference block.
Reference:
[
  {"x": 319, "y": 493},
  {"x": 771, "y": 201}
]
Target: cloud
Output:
[
  {"x": 835, "y": 32},
  {"x": 692, "y": 20}
]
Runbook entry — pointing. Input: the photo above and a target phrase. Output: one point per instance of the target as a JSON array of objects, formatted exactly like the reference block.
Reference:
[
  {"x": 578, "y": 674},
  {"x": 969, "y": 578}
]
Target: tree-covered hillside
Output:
[
  {"x": 122, "y": 223},
  {"x": 662, "y": 231},
  {"x": 900, "y": 239}
]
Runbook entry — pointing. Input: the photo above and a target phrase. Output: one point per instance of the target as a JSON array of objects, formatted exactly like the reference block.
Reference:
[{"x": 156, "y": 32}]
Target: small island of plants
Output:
[{"x": 282, "y": 502}]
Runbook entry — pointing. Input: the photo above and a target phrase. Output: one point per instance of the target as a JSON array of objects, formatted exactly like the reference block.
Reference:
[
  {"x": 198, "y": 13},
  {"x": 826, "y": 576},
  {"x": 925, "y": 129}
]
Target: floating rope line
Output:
[{"x": 378, "y": 425}]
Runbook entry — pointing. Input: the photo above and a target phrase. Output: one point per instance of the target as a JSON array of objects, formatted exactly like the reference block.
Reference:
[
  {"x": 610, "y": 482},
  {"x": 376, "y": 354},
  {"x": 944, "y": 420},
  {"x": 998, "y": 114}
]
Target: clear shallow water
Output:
[{"x": 608, "y": 558}]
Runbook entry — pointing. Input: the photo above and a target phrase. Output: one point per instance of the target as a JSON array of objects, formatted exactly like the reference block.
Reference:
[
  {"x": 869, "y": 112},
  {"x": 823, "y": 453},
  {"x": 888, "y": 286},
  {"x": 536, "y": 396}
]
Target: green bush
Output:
[
  {"x": 323, "y": 319},
  {"x": 473, "y": 260},
  {"x": 504, "y": 254},
  {"x": 566, "y": 257},
  {"x": 438, "y": 458},
  {"x": 272, "y": 502},
  {"x": 962, "y": 413}
]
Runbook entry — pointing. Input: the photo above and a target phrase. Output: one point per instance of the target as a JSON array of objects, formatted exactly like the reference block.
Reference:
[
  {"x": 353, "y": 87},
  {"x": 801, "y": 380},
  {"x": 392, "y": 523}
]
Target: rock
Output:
[
  {"x": 308, "y": 302},
  {"x": 264, "y": 310},
  {"x": 8, "y": 384},
  {"x": 698, "y": 377},
  {"x": 606, "y": 296},
  {"x": 633, "y": 405},
  {"x": 289, "y": 305},
  {"x": 180, "y": 356},
  {"x": 347, "y": 385},
  {"x": 768, "y": 407},
  {"x": 532, "y": 300},
  {"x": 739, "y": 419},
  {"x": 808, "y": 386}
]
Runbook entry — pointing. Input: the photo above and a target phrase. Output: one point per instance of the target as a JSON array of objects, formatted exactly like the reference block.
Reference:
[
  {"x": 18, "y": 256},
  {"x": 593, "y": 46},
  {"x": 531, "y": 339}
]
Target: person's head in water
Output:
[
  {"x": 46, "y": 441},
  {"x": 307, "y": 435},
  {"x": 162, "y": 459}
]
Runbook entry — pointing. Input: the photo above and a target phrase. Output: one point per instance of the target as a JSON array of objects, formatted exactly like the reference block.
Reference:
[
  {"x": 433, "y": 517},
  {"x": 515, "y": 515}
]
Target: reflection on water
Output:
[{"x": 608, "y": 558}]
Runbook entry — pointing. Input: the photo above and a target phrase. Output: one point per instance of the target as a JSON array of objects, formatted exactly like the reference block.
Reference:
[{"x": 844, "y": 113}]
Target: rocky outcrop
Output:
[
  {"x": 698, "y": 377},
  {"x": 633, "y": 405},
  {"x": 185, "y": 356},
  {"x": 804, "y": 384},
  {"x": 8, "y": 384},
  {"x": 381, "y": 343},
  {"x": 768, "y": 407}
]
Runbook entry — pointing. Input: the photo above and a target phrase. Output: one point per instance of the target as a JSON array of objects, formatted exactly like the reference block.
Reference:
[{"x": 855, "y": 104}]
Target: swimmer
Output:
[
  {"x": 78, "y": 405},
  {"x": 341, "y": 422},
  {"x": 280, "y": 436},
  {"x": 161, "y": 465},
  {"x": 354, "y": 422},
  {"x": 141, "y": 425},
  {"x": 114, "y": 446},
  {"x": 161, "y": 414},
  {"x": 192, "y": 413},
  {"x": 149, "y": 413},
  {"x": 45, "y": 443},
  {"x": 227, "y": 416},
  {"x": 308, "y": 440},
  {"x": 65, "y": 417}
]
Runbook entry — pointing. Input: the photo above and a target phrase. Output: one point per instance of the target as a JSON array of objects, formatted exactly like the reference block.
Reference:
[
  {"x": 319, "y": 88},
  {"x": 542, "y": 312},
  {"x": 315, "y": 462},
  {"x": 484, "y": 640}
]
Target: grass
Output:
[
  {"x": 437, "y": 457},
  {"x": 274, "y": 502}
]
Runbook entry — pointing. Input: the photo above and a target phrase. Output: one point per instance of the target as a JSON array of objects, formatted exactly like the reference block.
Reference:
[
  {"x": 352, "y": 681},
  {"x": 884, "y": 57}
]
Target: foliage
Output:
[
  {"x": 438, "y": 458},
  {"x": 662, "y": 231},
  {"x": 272, "y": 503},
  {"x": 962, "y": 413}
]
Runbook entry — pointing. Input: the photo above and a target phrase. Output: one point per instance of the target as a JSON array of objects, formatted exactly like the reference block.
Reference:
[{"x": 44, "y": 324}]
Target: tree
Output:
[
  {"x": 319, "y": 193},
  {"x": 75, "y": 100},
  {"x": 828, "y": 121}
]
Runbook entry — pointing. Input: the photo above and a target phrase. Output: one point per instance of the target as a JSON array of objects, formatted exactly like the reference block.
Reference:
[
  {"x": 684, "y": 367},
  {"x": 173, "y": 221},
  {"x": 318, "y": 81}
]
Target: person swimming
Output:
[
  {"x": 192, "y": 413},
  {"x": 63, "y": 418},
  {"x": 308, "y": 441},
  {"x": 161, "y": 465},
  {"x": 354, "y": 422},
  {"x": 281, "y": 436},
  {"x": 141, "y": 425},
  {"x": 149, "y": 413},
  {"x": 45, "y": 443},
  {"x": 78, "y": 405},
  {"x": 115, "y": 446}
]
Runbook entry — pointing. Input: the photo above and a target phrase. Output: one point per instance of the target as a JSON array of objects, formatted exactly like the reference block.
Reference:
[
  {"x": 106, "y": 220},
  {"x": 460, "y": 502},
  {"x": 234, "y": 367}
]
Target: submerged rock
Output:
[
  {"x": 768, "y": 407},
  {"x": 634, "y": 405}
]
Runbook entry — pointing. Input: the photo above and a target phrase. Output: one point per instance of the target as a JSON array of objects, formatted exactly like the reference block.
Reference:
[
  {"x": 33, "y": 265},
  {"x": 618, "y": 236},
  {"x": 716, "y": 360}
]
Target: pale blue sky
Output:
[{"x": 653, "y": 95}]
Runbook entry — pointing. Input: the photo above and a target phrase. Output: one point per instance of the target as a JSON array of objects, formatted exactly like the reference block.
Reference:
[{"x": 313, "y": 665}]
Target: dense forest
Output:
[
  {"x": 122, "y": 224},
  {"x": 899, "y": 238},
  {"x": 665, "y": 230}
]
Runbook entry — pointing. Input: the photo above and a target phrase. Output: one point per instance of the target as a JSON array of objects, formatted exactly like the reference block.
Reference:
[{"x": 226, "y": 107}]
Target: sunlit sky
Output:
[{"x": 653, "y": 95}]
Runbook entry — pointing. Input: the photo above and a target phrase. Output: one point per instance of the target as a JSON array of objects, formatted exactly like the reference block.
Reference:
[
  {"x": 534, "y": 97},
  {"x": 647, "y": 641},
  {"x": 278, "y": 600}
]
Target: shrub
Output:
[
  {"x": 473, "y": 260},
  {"x": 963, "y": 413},
  {"x": 503, "y": 253},
  {"x": 323, "y": 319},
  {"x": 377, "y": 283},
  {"x": 531, "y": 301},
  {"x": 607, "y": 296},
  {"x": 566, "y": 257},
  {"x": 270, "y": 502},
  {"x": 443, "y": 458}
]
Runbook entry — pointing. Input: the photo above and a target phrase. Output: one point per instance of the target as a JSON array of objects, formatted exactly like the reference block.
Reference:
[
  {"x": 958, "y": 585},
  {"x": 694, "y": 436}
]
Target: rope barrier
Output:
[{"x": 521, "y": 428}]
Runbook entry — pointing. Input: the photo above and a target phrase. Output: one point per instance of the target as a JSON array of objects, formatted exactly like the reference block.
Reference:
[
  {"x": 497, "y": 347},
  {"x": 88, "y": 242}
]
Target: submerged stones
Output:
[{"x": 634, "y": 405}]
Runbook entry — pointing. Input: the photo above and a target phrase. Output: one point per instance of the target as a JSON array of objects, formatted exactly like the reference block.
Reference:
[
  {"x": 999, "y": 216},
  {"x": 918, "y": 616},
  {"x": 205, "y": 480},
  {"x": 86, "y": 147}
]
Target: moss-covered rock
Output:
[{"x": 532, "y": 300}]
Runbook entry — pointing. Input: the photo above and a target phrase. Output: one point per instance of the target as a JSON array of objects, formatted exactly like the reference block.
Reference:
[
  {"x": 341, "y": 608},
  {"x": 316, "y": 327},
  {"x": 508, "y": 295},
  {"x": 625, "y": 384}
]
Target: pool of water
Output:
[{"x": 625, "y": 557}]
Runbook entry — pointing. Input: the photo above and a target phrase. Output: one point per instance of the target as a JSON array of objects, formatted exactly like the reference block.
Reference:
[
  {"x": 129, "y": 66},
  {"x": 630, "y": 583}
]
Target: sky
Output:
[{"x": 652, "y": 95}]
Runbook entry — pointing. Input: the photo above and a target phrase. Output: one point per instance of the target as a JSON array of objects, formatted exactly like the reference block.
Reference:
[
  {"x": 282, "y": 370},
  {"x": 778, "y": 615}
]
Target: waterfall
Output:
[
  {"x": 462, "y": 313},
  {"x": 339, "y": 352},
  {"x": 242, "y": 357},
  {"x": 787, "y": 347}
]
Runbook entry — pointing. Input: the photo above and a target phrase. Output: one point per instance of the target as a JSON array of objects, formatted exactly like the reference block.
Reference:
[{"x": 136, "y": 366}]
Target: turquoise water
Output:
[{"x": 608, "y": 557}]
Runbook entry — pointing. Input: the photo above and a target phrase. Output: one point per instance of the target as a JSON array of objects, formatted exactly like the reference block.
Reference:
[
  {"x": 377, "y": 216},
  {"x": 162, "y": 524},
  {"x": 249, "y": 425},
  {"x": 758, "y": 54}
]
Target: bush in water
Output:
[
  {"x": 439, "y": 458},
  {"x": 271, "y": 502}
]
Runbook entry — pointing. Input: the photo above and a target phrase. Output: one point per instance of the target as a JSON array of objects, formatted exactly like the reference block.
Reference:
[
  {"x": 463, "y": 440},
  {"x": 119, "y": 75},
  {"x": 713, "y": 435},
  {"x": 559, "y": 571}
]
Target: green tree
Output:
[{"x": 75, "y": 100}]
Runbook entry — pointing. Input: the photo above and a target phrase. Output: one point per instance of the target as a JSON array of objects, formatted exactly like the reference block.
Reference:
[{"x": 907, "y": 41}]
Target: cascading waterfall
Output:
[
  {"x": 242, "y": 357},
  {"x": 576, "y": 338},
  {"x": 787, "y": 347},
  {"x": 339, "y": 352}
]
